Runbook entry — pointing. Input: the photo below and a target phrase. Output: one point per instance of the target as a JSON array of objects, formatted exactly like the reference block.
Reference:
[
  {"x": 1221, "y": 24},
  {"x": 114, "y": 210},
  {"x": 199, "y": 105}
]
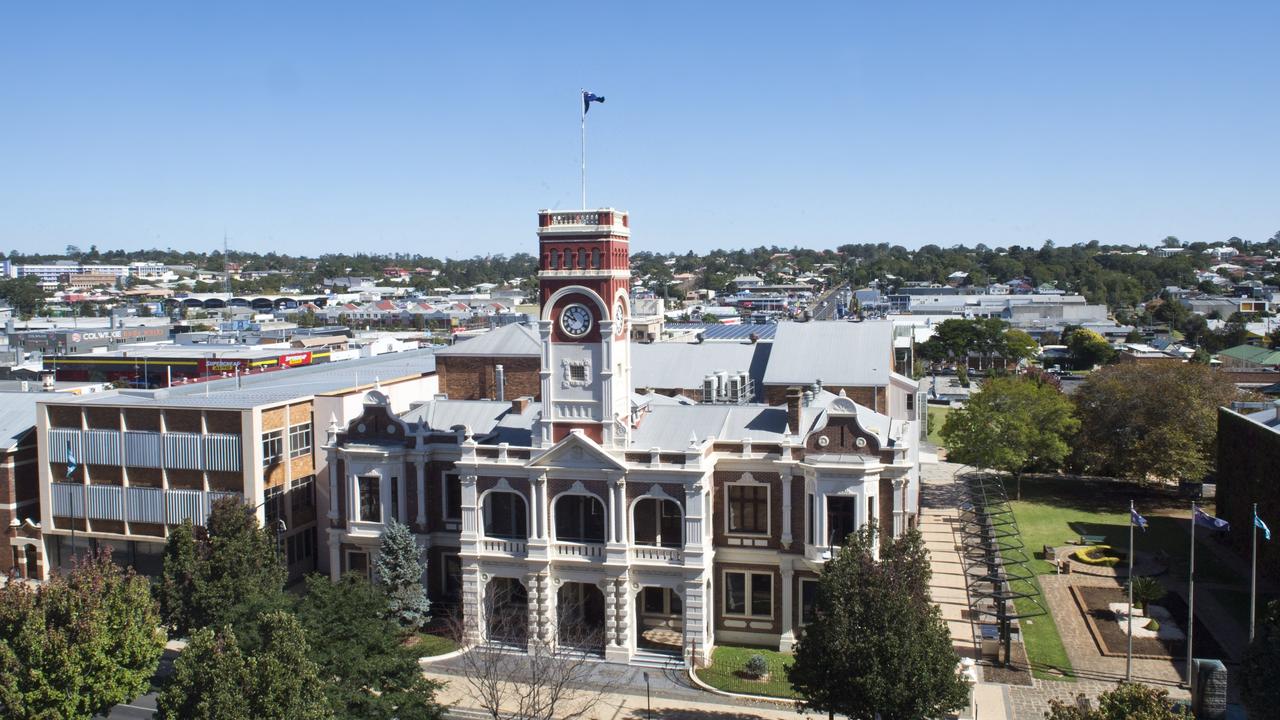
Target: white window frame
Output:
[
  {"x": 276, "y": 436},
  {"x": 800, "y": 599},
  {"x": 748, "y": 481},
  {"x": 724, "y": 606},
  {"x": 296, "y": 451}
]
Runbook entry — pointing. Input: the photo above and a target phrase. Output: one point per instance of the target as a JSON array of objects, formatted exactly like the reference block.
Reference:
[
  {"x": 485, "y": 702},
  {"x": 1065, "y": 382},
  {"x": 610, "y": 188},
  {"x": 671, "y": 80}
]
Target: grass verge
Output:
[
  {"x": 728, "y": 661},
  {"x": 428, "y": 645},
  {"x": 937, "y": 416}
]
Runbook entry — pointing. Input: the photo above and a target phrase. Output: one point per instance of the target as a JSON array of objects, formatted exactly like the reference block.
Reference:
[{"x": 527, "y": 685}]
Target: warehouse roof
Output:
[
  {"x": 837, "y": 353},
  {"x": 508, "y": 340}
]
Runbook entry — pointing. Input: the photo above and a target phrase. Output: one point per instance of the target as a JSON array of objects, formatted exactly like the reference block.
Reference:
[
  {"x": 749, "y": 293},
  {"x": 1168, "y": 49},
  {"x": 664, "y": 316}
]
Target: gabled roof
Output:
[
  {"x": 684, "y": 365},
  {"x": 506, "y": 341},
  {"x": 1252, "y": 354},
  {"x": 576, "y": 450}
]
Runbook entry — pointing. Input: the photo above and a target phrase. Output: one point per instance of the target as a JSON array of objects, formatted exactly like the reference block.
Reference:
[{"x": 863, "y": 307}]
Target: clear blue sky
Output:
[{"x": 441, "y": 128}]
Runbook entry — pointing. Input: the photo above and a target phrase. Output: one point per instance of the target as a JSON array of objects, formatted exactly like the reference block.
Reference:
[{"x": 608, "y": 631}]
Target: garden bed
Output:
[
  {"x": 727, "y": 672},
  {"x": 1112, "y": 640}
]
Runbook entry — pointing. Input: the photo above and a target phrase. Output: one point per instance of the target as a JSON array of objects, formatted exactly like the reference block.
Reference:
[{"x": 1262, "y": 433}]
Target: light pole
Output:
[{"x": 648, "y": 704}]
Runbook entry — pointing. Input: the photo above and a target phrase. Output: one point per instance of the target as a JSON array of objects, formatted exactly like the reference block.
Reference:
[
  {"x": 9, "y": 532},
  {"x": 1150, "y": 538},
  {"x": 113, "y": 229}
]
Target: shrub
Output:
[
  {"x": 1153, "y": 625},
  {"x": 756, "y": 667},
  {"x": 1099, "y": 555},
  {"x": 1147, "y": 590}
]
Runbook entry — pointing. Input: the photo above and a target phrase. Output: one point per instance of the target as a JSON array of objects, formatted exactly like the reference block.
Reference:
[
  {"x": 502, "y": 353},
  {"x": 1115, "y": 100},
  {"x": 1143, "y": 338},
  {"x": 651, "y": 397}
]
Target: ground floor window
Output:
[
  {"x": 661, "y": 601},
  {"x": 301, "y": 547},
  {"x": 749, "y": 594},
  {"x": 808, "y": 600},
  {"x": 358, "y": 562}
]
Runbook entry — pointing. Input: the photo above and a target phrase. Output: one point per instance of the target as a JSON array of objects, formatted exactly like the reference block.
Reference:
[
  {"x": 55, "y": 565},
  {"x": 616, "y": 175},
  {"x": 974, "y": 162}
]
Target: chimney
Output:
[
  {"x": 520, "y": 404},
  {"x": 795, "y": 400},
  {"x": 500, "y": 382}
]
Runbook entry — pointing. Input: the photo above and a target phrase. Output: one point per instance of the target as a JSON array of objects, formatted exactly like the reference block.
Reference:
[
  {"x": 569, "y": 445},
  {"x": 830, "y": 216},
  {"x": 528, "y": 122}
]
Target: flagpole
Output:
[
  {"x": 1191, "y": 593},
  {"x": 583, "y": 176},
  {"x": 1128, "y": 659},
  {"x": 1253, "y": 575}
]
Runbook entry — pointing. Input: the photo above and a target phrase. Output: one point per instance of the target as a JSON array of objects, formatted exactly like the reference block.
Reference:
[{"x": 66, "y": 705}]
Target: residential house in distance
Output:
[{"x": 669, "y": 526}]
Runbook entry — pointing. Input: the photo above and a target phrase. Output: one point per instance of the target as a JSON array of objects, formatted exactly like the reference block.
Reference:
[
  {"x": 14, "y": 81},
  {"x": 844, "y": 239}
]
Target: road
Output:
[
  {"x": 827, "y": 311},
  {"x": 141, "y": 708}
]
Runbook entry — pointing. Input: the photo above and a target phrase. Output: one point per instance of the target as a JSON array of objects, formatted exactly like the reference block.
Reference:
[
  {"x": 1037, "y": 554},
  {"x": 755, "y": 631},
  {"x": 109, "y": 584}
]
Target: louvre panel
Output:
[
  {"x": 184, "y": 505},
  {"x": 59, "y": 438},
  {"x": 105, "y": 502},
  {"x": 102, "y": 447},
  {"x": 222, "y": 452},
  {"x": 68, "y": 499},
  {"x": 182, "y": 451},
  {"x": 142, "y": 448},
  {"x": 146, "y": 505}
]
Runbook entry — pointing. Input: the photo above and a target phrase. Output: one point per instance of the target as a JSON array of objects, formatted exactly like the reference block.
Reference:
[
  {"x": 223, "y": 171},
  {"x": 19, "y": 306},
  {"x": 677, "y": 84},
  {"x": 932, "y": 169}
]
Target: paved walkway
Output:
[{"x": 938, "y": 519}]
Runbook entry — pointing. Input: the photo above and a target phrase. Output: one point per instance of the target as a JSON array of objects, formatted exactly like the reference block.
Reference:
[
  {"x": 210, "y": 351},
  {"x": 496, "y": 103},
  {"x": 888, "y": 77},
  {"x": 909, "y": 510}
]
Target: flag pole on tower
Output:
[{"x": 587, "y": 99}]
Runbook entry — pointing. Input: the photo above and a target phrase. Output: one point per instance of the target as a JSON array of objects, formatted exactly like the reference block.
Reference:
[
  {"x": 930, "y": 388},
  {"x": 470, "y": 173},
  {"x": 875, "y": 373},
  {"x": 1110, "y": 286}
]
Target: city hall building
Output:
[{"x": 663, "y": 523}]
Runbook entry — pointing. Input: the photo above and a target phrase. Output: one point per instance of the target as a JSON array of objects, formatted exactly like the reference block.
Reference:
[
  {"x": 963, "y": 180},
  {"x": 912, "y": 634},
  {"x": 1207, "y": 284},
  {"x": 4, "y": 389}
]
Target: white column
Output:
[
  {"x": 786, "y": 484},
  {"x": 422, "y": 494},
  {"x": 539, "y": 497},
  {"x": 470, "y": 520},
  {"x": 335, "y": 555},
  {"x": 788, "y": 640}
]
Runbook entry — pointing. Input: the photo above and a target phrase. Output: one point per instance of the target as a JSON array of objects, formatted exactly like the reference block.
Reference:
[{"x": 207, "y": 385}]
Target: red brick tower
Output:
[{"x": 584, "y": 283}]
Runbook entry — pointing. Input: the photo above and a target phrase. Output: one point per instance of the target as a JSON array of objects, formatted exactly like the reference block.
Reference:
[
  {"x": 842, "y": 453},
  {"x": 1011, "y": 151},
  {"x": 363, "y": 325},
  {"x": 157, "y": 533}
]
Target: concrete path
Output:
[{"x": 938, "y": 518}]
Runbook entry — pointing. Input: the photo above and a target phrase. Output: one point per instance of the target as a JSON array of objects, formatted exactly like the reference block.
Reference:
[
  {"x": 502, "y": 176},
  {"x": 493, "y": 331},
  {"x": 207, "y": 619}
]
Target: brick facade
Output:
[{"x": 473, "y": 378}]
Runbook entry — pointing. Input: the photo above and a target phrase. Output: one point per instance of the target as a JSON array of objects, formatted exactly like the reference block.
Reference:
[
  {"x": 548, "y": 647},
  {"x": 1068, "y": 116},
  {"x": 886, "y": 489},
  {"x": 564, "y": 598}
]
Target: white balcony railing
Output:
[
  {"x": 502, "y": 546},
  {"x": 590, "y": 551},
  {"x": 654, "y": 554}
]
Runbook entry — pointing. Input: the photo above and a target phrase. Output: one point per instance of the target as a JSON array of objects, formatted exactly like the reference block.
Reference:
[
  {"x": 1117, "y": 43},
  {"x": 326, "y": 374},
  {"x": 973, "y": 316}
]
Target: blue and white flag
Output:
[
  {"x": 71, "y": 462},
  {"x": 1136, "y": 519},
  {"x": 588, "y": 98},
  {"x": 1204, "y": 519},
  {"x": 1266, "y": 531}
]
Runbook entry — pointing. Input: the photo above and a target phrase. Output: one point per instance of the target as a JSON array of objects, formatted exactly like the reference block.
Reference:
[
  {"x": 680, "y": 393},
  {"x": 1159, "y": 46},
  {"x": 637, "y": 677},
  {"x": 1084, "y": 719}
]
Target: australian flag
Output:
[
  {"x": 588, "y": 98},
  {"x": 71, "y": 462},
  {"x": 1136, "y": 519},
  {"x": 1204, "y": 519}
]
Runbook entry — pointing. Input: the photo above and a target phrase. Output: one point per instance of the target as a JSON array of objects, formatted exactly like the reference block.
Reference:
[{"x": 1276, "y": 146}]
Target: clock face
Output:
[
  {"x": 620, "y": 318},
  {"x": 575, "y": 320}
]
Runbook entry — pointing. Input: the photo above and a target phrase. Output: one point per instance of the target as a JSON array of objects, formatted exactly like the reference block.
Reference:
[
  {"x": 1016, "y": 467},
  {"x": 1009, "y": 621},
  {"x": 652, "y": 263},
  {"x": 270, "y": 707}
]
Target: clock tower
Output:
[{"x": 584, "y": 283}]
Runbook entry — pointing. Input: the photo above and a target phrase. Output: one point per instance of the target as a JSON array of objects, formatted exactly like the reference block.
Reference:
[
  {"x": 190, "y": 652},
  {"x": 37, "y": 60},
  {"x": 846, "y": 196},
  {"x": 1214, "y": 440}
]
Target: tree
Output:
[
  {"x": 1018, "y": 346},
  {"x": 876, "y": 646},
  {"x": 360, "y": 649},
  {"x": 1129, "y": 701},
  {"x": 1012, "y": 424},
  {"x": 79, "y": 644},
  {"x": 1088, "y": 348},
  {"x": 208, "y": 682},
  {"x": 235, "y": 577},
  {"x": 286, "y": 683},
  {"x": 400, "y": 575},
  {"x": 178, "y": 579},
  {"x": 1258, "y": 687},
  {"x": 554, "y": 679},
  {"x": 1143, "y": 422}
]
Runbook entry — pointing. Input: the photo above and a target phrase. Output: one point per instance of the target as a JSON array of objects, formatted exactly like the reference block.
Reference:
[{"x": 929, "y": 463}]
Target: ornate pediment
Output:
[{"x": 576, "y": 450}]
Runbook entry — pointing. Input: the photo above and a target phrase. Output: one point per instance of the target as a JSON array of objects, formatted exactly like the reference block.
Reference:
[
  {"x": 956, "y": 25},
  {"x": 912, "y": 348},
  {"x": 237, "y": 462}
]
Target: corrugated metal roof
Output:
[
  {"x": 18, "y": 415},
  {"x": 670, "y": 427},
  {"x": 720, "y": 331},
  {"x": 270, "y": 387},
  {"x": 481, "y": 416},
  {"x": 684, "y": 365},
  {"x": 514, "y": 339},
  {"x": 837, "y": 353}
]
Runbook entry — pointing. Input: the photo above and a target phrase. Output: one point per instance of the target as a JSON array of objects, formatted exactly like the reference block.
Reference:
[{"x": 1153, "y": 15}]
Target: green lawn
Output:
[
  {"x": 428, "y": 645},
  {"x": 1054, "y": 511},
  {"x": 937, "y": 416},
  {"x": 727, "y": 661}
]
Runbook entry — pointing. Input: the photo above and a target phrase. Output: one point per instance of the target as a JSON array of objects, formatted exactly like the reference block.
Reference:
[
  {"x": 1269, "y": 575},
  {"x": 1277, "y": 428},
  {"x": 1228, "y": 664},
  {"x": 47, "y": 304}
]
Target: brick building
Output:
[
  {"x": 19, "y": 491},
  {"x": 120, "y": 468},
  {"x": 668, "y": 526},
  {"x": 1248, "y": 465},
  {"x": 501, "y": 363}
]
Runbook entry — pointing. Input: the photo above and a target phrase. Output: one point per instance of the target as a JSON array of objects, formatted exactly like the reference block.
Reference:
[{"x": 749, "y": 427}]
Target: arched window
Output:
[
  {"x": 582, "y": 258},
  {"x": 505, "y": 516},
  {"x": 655, "y": 521},
  {"x": 595, "y": 258},
  {"x": 555, "y": 260},
  {"x": 579, "y": 518}
]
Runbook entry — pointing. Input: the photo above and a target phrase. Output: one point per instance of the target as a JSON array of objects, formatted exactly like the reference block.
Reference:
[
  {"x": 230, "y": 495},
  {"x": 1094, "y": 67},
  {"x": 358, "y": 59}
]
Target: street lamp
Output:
[{"x": 648, "y": 705}]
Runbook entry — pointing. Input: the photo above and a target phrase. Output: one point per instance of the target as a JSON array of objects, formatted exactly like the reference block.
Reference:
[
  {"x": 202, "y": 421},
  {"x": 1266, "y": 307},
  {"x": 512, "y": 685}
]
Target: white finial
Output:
[
  {"x": 693, "y": 439},
  {"x": 333, "y": 428},
  {"x": 377, "y": 383}
]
